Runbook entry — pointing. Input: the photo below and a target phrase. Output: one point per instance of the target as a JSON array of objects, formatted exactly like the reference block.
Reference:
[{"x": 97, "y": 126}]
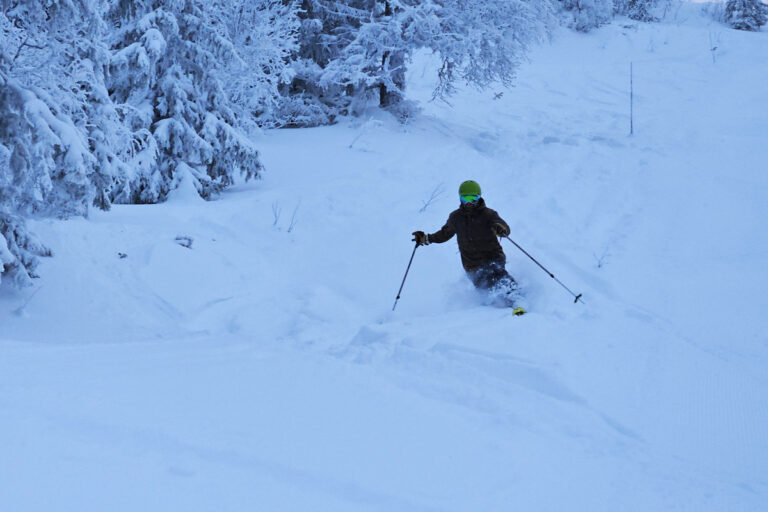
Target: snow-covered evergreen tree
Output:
[
  {"x": 47, "y": 65},
  {"x": 639, "y": 10},
  {"x": 323, "y": 86},
  {"x": 167, "y": 77},
  {"x": 46, "y": 166},
  {"x": 588, "y": 14},
  {"x": 95, "y": 108},
  {"x": 357, "y": 50},
  {"x": 265, "y": 37},
  {"x": 480, "y": 41},
  {"x": 746, "y": 14},
  {"x": 19, "y": 250},
  {"x": 371, "y": 62},
  {"x": 45, "y": 160}
]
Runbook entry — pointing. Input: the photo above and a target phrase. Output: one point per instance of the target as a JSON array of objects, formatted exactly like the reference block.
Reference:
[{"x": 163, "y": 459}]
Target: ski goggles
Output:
[{"x": 471, "y": 198}]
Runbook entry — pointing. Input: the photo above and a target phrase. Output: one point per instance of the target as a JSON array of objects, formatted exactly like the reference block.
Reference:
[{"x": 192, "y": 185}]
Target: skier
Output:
[{"x": 477, "y": 227}]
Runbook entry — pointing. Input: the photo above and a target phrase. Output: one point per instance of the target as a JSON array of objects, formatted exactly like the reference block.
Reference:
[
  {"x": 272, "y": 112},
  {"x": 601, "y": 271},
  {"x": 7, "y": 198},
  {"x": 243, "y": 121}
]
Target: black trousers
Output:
[{"x": 492, "y": 276}]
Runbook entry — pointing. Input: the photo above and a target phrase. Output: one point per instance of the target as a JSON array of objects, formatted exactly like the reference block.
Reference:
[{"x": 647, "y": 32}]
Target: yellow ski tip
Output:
[{"x": 518, "y": 311}]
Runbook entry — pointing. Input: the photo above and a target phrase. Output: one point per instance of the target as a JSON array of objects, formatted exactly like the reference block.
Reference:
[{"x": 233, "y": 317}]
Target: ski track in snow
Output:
[{"x": 262, "y": 367}]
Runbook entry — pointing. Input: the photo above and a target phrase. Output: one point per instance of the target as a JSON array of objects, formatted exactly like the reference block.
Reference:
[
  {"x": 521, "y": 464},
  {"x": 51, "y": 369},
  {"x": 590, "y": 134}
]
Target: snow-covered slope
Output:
[{"x": 261, "y": 368}]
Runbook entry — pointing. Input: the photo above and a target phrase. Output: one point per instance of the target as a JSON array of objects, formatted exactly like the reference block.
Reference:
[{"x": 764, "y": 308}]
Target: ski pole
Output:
[
  {"x": 406, "y": 275},
  {"x": 577, "y": 297}
]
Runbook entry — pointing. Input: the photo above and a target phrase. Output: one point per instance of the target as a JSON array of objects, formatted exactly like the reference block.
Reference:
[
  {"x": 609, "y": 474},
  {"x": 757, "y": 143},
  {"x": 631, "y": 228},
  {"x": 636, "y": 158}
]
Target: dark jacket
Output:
[{"x": 473, "y": 227}]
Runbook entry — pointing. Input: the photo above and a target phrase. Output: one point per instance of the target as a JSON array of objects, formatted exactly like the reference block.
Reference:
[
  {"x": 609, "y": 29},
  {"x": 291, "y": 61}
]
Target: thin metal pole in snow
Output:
[
  {"x": 631, "y": 101},
  {"x": 406, "y": 275},
  {"x": 577, "y": 297}
]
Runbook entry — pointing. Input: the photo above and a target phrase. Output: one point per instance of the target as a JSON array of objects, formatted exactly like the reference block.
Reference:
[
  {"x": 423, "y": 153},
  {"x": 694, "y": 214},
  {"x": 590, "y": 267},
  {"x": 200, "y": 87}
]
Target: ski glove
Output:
[
  {"x": 420, "y": 238},
  {"x": 500, "y": 229}
]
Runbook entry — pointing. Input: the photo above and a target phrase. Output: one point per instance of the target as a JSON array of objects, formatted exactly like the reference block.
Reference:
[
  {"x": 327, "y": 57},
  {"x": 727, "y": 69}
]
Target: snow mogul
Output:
[{"x": 477, "y": 229}]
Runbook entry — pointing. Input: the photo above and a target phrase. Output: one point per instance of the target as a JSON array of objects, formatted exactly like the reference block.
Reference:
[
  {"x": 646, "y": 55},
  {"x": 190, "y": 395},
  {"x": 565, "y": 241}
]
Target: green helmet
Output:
[{"x": 469, "y": 187}]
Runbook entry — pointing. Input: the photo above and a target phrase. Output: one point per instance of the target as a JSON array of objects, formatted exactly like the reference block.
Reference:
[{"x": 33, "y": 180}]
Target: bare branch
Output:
[
  {"x": 293, "y": 217},
  {"x": 24, "y": 44},
  {"x": 276, "y": 211},
  {"x": 436, "y": 192}
]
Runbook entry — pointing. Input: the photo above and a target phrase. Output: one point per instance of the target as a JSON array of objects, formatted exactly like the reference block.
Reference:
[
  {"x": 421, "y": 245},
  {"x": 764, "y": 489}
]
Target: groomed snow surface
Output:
[{"x": 262, "y": 369}]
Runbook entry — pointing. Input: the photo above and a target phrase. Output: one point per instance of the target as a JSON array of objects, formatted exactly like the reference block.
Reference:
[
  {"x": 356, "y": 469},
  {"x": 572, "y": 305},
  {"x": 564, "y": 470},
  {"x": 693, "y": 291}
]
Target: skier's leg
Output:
[
  {"x": 504, "y": 285},
  {"x": 483, "y": 277}
]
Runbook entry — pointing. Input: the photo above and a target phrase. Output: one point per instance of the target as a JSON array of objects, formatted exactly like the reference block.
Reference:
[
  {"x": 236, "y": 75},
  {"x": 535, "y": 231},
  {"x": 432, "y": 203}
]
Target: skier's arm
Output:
[
  {"x": 443, "y": 235},
  {"x": 498, "y": 225}
]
